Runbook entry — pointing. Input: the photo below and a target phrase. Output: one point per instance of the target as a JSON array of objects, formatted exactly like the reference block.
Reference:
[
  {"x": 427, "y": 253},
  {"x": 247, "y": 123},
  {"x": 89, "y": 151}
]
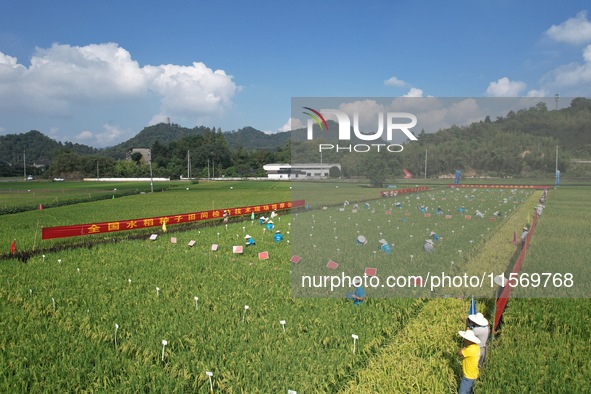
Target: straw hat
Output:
[
  {"x": 469, "y": 336},
  {"x": 246, "y": 236},
  {"x": 478, "y": 319},
  {"x": 278, "y": 232},
  {"x": 361, "y": 239},
  {"x": 432, "y": 233},
  {"x": 429, "y": 241},
  {"x": 357, "y": 281},
  {"x": 383, "y": 241}
]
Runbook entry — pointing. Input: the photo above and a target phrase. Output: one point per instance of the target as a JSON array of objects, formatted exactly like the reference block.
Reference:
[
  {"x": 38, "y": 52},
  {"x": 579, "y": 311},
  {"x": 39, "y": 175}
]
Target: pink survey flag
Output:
[
  {"x": 295, "y": 259},
  {"x": 448, "y": 216},
  {"x": 332, "y": 265},
  {"x": 263, "y": 255},
  {"x": 214, "y": 247},
  {"x": 237, "y": 249},
  {"x": 468, "y": 217},
  {"x": 153, "y": 237},
  {"x": 173, "y": 240},
  {"x": 191, "y": 243}
]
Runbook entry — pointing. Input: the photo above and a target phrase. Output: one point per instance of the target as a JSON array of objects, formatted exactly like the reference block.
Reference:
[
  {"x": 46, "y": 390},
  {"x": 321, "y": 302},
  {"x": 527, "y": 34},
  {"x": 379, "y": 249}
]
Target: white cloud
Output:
[
  {"x": 537, "y": 93},
  {"x": 571, "y": 75},
  {"x": 65, "y": 81},
  {"x": 575, "y": 30},
  {"x": 85, "y": 136},
  {"x": 109, "y": 135},
  {"x": 393, "y": 81},
  {"x": 292, "y": 124},
  {"x": 504, "y": 87},
  {"x": 414, "y": 92}
]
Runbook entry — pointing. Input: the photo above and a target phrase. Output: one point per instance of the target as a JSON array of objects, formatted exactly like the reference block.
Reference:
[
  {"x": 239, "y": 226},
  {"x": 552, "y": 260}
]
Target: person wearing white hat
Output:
[
  {"x": 361, "y": 240},
  {"x": 249, "y": 240},
  {"x": 428, "y": 247},
  {"x": 470, "y": 353},
  {"x": 434, "y": 236},
  {"x": 278, "y": 237},
  {"x": 482, "y": 331},
  {"x": 524, "y": 235}
]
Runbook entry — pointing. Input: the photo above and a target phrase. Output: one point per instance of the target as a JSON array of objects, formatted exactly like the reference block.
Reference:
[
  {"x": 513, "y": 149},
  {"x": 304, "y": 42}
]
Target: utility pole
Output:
[
  {"x": 151, "y": 177},
  {"x": 188, "y": 165},
  {"x": 425, "y": 163},
  {"x": 25, "y": 164},
  {"x": 97, "y": 171}
]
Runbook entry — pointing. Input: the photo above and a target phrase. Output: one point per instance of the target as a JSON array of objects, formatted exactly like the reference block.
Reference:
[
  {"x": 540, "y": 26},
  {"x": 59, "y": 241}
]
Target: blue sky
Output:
[{"x": 97, "y": 72}]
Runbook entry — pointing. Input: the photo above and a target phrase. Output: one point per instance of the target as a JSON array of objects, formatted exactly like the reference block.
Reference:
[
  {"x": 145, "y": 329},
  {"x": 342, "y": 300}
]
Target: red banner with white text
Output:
[{"x": 77, "y": 230}]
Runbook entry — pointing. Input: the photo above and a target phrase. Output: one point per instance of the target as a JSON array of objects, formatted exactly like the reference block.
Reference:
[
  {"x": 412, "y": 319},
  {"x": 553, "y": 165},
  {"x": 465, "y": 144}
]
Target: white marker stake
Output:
[
  {"x": 246, "y": 307},
  {"x": 157, "y": 291},
  {"x": 226, "y": 227},
  {"x": 164, "y": 343},
  {"x": 452, "y": 264},
  {"x": 30, "y": 292},
  {"x": 43, "y": 258},
  {"x": 282, "y": 322},
  {"x": 292, "y": 392},
  {"x": 243, "y": 229},
  {"x": 53, "y": 302},
  {"x": 78, "y": 270},
  {"x": 116, "y": 328},
  {"x": 196, "y": 303},
  {"x": 59, "y": 261},
  {"x": 411, "y": 257},
  {"x": 355, "y": 338},
  {"x": 210, "y": 374},
  {"x": 129, "y": 281}
]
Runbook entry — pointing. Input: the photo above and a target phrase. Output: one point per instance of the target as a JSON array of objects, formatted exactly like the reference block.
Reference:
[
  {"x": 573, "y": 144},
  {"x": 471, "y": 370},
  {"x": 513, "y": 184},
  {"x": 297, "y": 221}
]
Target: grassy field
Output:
[{"x": 93, "y": 319}]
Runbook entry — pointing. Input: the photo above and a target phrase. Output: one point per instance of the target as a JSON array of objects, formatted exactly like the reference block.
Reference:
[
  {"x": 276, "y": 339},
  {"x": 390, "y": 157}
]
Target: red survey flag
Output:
[
  {"x": 332, "y": 265},
  {"x": 13, "y": 247},
  {"x": 371, "y": 271},
  {"x": 295, "y": 259},
  {"x": 263, "y": 255}
]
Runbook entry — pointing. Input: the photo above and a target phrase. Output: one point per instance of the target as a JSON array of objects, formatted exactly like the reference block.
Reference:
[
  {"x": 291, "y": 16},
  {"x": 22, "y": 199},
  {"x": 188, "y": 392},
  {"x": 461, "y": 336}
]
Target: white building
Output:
[{"x": 299, "y": 171}]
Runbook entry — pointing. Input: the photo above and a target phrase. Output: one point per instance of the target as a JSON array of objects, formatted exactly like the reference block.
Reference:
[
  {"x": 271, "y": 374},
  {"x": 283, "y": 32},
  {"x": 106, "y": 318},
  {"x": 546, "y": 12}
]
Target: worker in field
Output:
[
  {"x": 471, "y": 354},
  {"x": 434, "y": 236},
  {"x": 439, "y": 211},
  {"x": 461, "y": 209},
  {"x": 479, "y": 214},
  {"x": 278, "y": 237},
  {"x": 249, "y": 240},
  {"x": 524, "y": 234},
  {"x": 262, "y": 220},
  {"x": 482, "y": 331},
  {"x": 428, "y": 247},
  {"x": 226, "y": 215},
  {"x": 358, "y": 295}
]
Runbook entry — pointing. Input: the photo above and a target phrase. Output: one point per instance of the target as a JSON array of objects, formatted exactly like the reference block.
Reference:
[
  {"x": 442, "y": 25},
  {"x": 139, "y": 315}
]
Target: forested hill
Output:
[
  {"x": 35, "y": 147},
  {"x": 530, "y": 132}
]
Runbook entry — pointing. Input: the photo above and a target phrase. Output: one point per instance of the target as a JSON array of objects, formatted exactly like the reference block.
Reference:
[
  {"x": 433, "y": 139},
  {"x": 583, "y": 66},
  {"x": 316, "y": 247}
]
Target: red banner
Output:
[
  {"x": 395, "y": 192},
  {"x": 136, "y": 224},
  {"x": 503, "y": 186}
]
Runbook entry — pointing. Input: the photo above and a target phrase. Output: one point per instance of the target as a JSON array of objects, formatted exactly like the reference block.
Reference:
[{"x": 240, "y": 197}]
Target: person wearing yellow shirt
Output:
[{"x": 471, "y": 354}]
